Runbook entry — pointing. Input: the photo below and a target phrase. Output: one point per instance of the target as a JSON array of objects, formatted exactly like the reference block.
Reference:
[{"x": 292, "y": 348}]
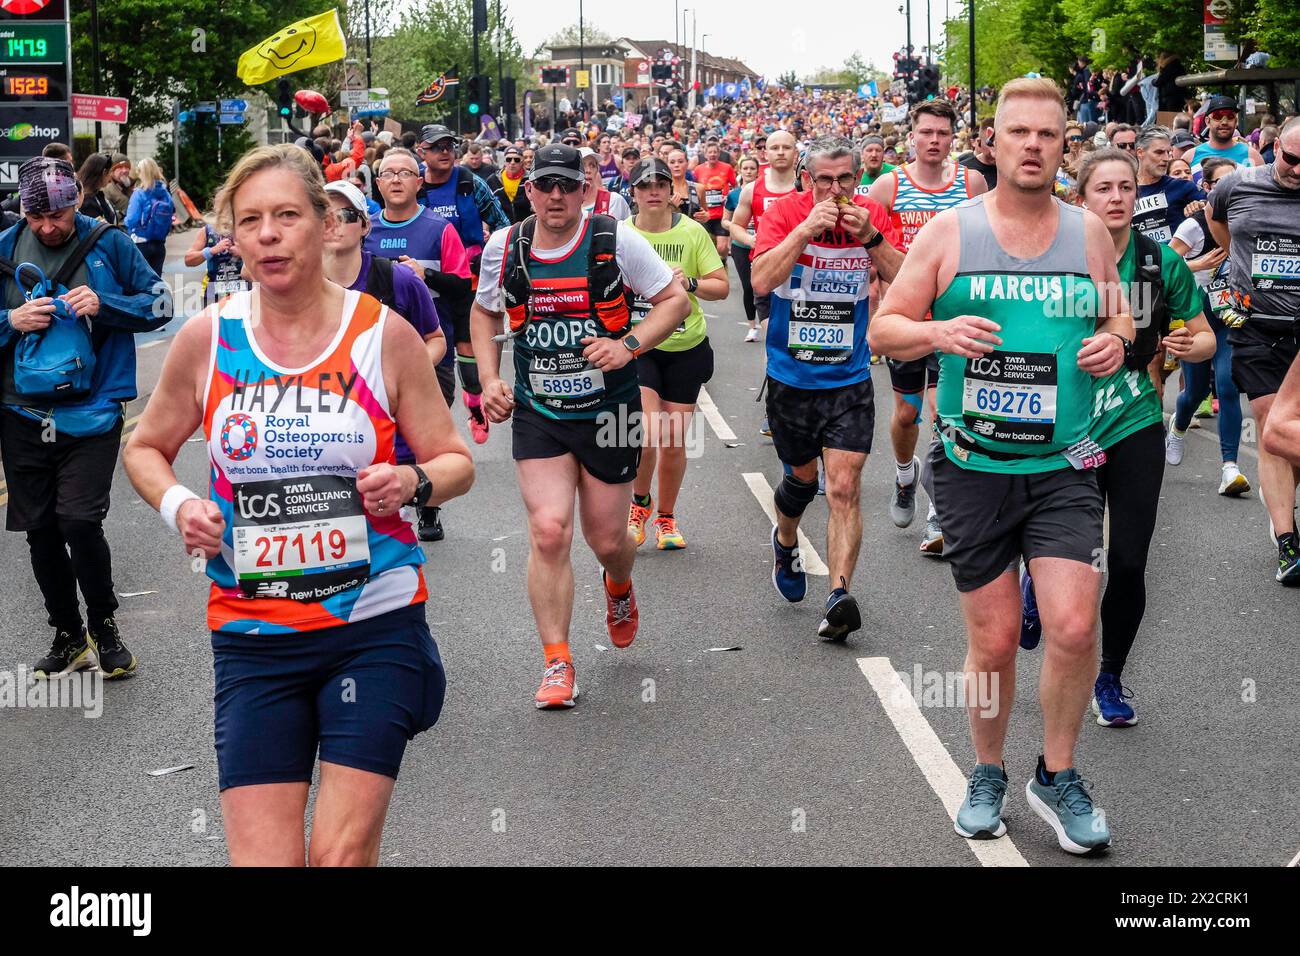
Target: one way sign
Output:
[{"x": 110, "y": 109}]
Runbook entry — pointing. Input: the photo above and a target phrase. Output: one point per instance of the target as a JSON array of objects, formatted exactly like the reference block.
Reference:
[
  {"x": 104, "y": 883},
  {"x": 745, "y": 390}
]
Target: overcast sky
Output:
[{"x": 752, "y": 32}]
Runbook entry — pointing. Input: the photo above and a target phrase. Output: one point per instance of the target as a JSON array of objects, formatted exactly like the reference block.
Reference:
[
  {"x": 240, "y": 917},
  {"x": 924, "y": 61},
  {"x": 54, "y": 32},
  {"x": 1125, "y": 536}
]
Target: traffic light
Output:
[
  {"x": 480, "y": 94},
  {"x": 930, "y": 82},
  {"x": 286, "y": 98},
  {"x": 508, "y": 96}
]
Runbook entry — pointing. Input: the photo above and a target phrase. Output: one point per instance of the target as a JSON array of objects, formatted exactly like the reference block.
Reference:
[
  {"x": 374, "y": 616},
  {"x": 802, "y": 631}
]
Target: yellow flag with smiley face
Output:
[{"x": 307, "y": 43}]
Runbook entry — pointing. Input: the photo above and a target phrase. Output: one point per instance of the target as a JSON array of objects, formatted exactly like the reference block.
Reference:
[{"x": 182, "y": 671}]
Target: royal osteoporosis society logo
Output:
[{"x": 239, "y": 437}]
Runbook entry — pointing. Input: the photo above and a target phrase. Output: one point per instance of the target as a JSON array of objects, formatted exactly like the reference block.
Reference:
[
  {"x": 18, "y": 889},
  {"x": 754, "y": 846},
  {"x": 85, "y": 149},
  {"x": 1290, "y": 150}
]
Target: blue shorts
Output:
[{"x": 359, "y": 692}]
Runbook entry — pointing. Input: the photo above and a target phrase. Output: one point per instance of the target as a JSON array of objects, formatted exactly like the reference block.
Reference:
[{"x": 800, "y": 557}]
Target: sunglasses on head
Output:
[{"x": 547, "y": 184}]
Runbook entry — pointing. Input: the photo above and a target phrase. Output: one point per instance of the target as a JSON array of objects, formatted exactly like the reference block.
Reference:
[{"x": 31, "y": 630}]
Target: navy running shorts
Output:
[{"x": 358, "y": 692}]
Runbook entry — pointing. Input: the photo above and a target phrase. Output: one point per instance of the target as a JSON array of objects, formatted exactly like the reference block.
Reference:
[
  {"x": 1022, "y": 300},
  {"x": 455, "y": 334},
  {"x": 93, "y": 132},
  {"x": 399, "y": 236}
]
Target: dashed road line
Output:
[
  {"x": 940, "y": 770},
  {"x": 714, "y": 417},
  {"x": 812, "y": 562}
]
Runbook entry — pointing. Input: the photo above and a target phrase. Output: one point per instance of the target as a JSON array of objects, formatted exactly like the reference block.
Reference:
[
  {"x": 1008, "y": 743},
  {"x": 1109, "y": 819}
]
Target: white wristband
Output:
[{"x": 175, "y": 496}]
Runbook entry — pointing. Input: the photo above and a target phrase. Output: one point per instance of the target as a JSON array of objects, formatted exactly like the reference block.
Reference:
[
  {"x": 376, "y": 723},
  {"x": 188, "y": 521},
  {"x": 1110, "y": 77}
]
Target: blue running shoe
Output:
[
  {"x": 980, "y": 815},
  {"x": 1031, "y": 628},
  {"x": 1067, "y": 807},
  {"x": 842, "y": 615},
  {"x": 788, "y": 576},
  {"x": 1109, "y": 698}
]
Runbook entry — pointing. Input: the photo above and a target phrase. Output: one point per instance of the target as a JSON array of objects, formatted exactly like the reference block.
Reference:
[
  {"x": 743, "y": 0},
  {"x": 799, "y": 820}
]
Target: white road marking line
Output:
[
  {"x": 152, "y": 342},
  {"x": 941, "y": 771},
  {"x": 812, "y": 562},
  {"x": 714, "y": 417}
]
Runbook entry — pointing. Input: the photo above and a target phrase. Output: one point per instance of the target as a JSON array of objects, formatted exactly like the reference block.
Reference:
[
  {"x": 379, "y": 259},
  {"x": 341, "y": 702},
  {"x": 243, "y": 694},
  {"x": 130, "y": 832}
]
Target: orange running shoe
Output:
[
  {"x": 559, "y": 686},
  {"x": 667, "y": 537},
  {"x": 621, "y": 616},
  {"x": 636, "y": 519}
]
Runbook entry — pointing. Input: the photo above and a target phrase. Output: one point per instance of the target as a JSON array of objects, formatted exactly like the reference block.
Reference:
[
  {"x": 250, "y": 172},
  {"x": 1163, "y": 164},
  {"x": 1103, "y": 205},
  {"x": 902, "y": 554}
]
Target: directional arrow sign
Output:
[
  {"x": 234, "y": 106},
  {"x": 112, "y": 109},
  {"x": 232, "y": 118}
]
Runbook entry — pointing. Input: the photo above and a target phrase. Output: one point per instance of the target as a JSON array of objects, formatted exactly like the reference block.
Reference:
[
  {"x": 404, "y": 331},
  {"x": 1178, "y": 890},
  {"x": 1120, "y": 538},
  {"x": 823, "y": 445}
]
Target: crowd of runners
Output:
[{"x": 1029, "y": 288}]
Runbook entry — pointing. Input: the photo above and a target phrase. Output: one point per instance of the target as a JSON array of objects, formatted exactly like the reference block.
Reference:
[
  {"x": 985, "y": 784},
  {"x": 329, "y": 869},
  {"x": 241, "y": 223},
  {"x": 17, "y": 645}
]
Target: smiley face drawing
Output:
[{"x": 289, "y": 46}]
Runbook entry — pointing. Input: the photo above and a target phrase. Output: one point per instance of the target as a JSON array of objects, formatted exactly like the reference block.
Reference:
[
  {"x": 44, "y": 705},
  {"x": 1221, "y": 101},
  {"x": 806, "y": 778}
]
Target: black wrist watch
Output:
[
  {"x": 692, "y": 284},
  {"x": 423, "y": 488},
  {"x": 874, "y": 241},
  {"x": 1128, "y": 345},
  {"x": 631, "y": 343}
]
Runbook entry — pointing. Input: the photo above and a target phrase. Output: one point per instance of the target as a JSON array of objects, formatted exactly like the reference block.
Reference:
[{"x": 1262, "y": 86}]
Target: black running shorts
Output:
[
  {"x": 804, "y": 420},
  {"x": 70, "y": 478},
  {"x": 914, "y": 376},
  {"x": 609, "y": 448},
  {"x": 1262, "y": 352},
  {"x": 990, "y": 519},
  {"x": 676, "y": 376}
]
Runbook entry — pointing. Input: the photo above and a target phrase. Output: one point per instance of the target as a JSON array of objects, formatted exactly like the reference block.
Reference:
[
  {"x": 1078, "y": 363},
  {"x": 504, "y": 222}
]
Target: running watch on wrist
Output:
[
  {"x": 423, "y": 488},
  {"x": 874, "y": 241},
  {"x": 631, "y": 344},
  {"x": 1128, "y": 345},
  {"x": 692, "y": 284}
]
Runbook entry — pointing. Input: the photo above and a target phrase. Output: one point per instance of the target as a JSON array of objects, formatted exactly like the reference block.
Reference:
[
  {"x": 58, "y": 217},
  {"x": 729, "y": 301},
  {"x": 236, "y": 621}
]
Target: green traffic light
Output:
[
  {"x": 930, "y": 96},
  {"x": 473, "y": 109}
]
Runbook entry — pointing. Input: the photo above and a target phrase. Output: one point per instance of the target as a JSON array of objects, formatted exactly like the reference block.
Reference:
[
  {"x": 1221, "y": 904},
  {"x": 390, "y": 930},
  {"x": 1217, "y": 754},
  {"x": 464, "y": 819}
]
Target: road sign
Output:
[
  {"x": 110, "y": 109},
  {"x": 9, "y": 172},
  {"x": 207, "y": 106},
  {"x": 231, "y": 118},
  {"x": 353, "y": 99},
  {"x": 373, "y": 107},
  {"x": 583, "y": 79},
  {"x": 233, "y": 106}
]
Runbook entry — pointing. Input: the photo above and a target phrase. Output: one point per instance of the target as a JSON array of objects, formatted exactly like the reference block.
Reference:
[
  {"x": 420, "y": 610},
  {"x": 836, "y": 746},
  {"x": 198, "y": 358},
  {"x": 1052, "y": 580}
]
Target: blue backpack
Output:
[
  {"x": 57, "y": 363},
  {"x": 156, "y": 224}
]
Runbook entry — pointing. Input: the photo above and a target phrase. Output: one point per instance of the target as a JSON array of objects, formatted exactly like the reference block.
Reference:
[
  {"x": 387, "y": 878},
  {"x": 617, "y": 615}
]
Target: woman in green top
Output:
[
  {"x": 1127, "y": 420},
  {"x": 672, "y": 374}
]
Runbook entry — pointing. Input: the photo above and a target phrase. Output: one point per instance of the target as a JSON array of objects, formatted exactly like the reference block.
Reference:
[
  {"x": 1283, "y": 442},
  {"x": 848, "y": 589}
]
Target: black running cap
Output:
[{"x": 557, "y": 160}]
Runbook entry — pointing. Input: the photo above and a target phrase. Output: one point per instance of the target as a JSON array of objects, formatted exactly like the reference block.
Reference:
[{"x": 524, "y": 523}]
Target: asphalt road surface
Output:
[{"x": 784, "y": 750}]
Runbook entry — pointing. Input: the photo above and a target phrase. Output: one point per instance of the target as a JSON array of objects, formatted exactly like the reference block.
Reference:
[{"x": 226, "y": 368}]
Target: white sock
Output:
[{"x": 906, "y": 473}]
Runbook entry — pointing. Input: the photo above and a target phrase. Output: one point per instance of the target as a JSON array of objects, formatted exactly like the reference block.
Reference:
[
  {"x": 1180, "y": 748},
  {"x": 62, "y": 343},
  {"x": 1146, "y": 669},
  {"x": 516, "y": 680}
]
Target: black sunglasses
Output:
[
  {"x": 1126, "y": 145},
  {"x": 347, "y": 215},
  {"x": 546, "y": 185},
  {"x": 1291, "y": 159}
]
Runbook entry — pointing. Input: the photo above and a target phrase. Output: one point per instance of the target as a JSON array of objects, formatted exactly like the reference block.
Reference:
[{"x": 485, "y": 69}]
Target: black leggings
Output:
[
  {"x": 1130, "y": 483},
  {"x": 67, "y": 554},
  {"x": 740, "y": 256}
]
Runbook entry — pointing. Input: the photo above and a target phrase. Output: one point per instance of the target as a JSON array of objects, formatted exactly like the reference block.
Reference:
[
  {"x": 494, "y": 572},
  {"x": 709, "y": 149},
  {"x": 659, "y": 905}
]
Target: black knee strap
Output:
[
  {"x": 793, "y": 496},
  {"x": 468, "y": 369}
]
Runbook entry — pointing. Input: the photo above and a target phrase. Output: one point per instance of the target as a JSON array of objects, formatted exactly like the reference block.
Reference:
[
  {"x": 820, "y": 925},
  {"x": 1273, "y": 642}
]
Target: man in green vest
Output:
[{"x": 1026, "y": 311}]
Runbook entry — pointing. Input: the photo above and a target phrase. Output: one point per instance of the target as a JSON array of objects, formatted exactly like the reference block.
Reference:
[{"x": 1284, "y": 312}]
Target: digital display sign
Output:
[
  {"x": 33, "y": 43},
  {"x": 33, "y": 84}
]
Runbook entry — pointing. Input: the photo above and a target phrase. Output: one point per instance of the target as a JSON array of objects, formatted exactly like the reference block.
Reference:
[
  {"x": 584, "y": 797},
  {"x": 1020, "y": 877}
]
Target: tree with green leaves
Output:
[
  {"x": 436, "y": 36},
  {"x": 788, "y": 79},
  {"x": 152, "y": 53},
  {"x": 1272, "y": 26}
]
